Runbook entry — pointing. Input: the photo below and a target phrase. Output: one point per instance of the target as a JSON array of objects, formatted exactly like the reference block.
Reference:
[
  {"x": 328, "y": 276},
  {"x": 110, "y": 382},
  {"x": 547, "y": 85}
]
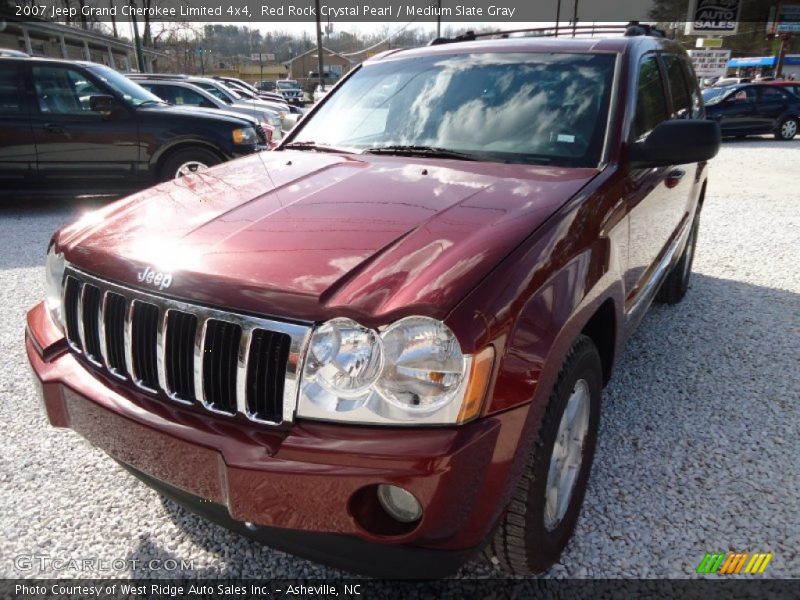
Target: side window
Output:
[
  {"x": 61, "y": 90},
  {"x": 651, "y": 106},
  {"x": 698, "y": 111},
  {"x": 743, "y": 96},
  {"x": 9, "y": 90},
  {"x": 773, "y": 94},
  {"x": 162, "y": 91},
  {"x": 678, "y": 87},
  {"x": 188, "y": 97}
]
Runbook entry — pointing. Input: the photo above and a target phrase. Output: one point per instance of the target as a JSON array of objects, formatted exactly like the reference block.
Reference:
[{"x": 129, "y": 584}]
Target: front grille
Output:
[{"x": 223, "y": 362}]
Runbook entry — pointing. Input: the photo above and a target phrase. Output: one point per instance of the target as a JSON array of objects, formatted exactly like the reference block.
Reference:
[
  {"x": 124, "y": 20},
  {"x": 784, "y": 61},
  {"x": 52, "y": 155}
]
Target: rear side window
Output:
[
  {"x": 651, "y": 106},
  {"x": 188, "y": 97},
  {"x": 9, "y": 89},
  {"x": 162, "y": 91},
  {"x": 773, "y": 94},
  {"x": 678, "y": 87}
]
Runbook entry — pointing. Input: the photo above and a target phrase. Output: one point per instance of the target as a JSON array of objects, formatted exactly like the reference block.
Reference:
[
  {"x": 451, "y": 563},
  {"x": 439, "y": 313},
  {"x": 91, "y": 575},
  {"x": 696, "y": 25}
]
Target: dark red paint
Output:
[{"x": 517, "y": 257}]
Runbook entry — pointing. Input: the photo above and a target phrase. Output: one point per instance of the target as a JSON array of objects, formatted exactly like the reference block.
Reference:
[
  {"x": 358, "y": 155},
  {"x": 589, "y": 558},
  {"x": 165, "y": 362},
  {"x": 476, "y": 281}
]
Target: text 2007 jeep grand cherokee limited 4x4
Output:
[{"x": 383, "y": 345}]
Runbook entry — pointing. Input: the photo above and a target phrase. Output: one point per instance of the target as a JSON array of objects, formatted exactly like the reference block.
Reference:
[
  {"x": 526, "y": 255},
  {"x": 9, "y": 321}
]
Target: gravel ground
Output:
[{"x": 697, "y": 449}]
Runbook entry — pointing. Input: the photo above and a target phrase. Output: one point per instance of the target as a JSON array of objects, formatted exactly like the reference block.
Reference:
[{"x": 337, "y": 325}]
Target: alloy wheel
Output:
[{"x": 567, "y": 456}]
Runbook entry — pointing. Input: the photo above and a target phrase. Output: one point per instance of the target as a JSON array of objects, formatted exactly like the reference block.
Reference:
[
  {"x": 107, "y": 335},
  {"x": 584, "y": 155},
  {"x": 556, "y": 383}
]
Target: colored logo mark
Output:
[{"x": 734, "y": 562}]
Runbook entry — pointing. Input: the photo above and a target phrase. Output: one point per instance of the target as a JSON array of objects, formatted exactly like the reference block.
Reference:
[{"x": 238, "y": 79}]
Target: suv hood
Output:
[
  {"x": 195, "y": 112},
  {"x": 308, "y": 236}
]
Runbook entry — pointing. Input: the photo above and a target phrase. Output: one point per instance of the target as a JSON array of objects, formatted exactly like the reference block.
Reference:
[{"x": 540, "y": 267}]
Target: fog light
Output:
[{"x": 399, "y": 503}]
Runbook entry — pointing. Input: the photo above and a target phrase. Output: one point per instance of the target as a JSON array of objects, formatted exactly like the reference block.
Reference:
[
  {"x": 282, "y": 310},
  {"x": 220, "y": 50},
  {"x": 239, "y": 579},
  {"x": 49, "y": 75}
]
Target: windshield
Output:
[
  {"x": 288, "y": 84},
  {"x": 714, "y": 95},
  {"x": 131, "y": 92},
  {"x": 524, "y": 107}
]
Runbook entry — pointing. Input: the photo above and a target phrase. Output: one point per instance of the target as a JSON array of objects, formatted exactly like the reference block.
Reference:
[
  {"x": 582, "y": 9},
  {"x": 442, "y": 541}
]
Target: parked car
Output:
[
  {"x": 320, "y": 92},
  {"x": 267, "y": 86},
  {"x": 183, "y": 93},
  {"x": 290, "y": 90},
  {"x": 728, "y": 81},
  {"x": 387, "y": 351},
  {"x": 754, "y": 109},
  {"x": 252, "y": 92},
  {"x": 79, "y": 125},
  {"x": 8, "y": 52}
]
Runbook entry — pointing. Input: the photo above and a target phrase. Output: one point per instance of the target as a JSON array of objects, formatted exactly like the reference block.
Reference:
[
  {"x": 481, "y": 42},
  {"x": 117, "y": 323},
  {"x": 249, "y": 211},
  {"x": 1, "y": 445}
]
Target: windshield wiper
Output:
[
  {"x": 314, "y": 146},
  {"x": 428, "y": 151}
]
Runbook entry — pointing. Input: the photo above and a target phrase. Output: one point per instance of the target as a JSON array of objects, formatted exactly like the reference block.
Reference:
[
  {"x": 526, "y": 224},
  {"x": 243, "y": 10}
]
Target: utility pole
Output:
[
  {"x": 558, "y": 14},
  {"x": 574, "y": 17},
  {"x": 320, "y": 65},
  {"x": 137, "y": 40},
  {"x": 438, "y": 18}
]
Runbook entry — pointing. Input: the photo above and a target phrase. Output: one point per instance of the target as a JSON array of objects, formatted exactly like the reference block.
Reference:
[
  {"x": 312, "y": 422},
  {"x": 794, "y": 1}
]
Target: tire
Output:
[
  {"x": 187, "y": 161},
  {"x": 530, "y": 538},
  {"x": 676, "y": 283},
  {"x": 787, "y": 129}
]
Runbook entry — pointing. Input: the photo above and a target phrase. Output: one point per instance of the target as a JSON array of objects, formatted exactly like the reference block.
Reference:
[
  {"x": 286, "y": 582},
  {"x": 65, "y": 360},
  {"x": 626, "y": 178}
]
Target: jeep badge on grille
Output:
[{"x": 156, "y": 278}]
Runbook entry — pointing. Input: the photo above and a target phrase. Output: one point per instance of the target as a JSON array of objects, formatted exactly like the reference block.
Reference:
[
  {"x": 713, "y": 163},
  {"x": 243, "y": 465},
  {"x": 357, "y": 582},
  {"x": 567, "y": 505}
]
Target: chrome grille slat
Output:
[
  {"x": 101, "y": 327},
  {"x": 199, "y": 344},
  {"x": 161, "y": 348},
  {"x": 135, "y": 331}
]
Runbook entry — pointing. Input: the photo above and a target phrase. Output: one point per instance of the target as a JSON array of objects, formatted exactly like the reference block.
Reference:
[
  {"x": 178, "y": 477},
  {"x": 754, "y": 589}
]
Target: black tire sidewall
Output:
[
  {"x": 545, "y": 546},
  {"x": 173, "y": 161}
]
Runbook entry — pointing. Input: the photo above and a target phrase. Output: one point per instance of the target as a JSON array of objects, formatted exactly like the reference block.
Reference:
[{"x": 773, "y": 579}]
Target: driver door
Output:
[
  {"x": 75, "y": 145},
  {"x": 737, "y": 112}
]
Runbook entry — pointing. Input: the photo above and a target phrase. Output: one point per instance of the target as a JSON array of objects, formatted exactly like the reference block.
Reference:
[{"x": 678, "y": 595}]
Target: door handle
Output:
[
  {"x": 53, "y": 128},
  {"x": 674, "y": 177}
]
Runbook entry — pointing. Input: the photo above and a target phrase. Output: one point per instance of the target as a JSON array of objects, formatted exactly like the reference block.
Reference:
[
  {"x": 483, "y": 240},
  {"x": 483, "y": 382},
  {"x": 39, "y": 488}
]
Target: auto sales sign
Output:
[{"x": 713, "y": 17}]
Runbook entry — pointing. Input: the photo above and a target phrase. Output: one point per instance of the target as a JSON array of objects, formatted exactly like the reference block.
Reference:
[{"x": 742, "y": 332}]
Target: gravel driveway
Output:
[{"x": 698, "y": 446}]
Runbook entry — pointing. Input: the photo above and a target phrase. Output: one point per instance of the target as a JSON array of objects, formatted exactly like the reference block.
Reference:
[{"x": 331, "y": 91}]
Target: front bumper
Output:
[{"x": 306, "y": 487}]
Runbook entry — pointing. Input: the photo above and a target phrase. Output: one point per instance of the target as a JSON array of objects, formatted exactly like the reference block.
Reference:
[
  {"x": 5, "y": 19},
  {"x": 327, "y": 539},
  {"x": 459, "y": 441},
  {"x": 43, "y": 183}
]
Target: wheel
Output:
[
  {"x": 787, "y": 129},
  {"x": 543, "y": 512},
  {"x": 185, "y": 162},
  {"x": 676, "y": 283}
]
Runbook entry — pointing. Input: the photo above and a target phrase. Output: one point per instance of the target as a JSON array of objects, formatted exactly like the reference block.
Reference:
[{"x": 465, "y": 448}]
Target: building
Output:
[
  {"x": 304, "y": 67},
  {"x": 253, "y": 73},
  {"x": 765, "y": 65},
  {"x": 55, "y": 40}
]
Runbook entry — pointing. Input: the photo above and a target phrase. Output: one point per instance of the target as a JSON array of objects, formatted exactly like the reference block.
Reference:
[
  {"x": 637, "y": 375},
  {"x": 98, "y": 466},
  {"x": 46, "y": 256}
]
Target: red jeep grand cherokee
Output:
[{"x": 383, "y": 345}]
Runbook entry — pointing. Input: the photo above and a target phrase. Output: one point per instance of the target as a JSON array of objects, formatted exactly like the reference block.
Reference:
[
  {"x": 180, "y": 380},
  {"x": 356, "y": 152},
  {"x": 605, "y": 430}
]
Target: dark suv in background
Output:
[{"x": 81, "y": 125}]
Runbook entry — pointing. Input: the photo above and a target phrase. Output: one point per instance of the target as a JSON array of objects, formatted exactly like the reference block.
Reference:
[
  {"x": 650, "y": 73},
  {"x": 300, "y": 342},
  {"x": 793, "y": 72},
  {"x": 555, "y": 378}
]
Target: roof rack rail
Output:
[{"x": 633, "y": 28}]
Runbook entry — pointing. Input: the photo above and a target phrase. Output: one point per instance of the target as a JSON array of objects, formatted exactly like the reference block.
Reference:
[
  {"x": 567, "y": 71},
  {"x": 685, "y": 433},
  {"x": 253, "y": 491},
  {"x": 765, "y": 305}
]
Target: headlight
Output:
[
  {"x": 245, "y": 135},
  {"x": 344, "y": 358},
  {"x": 54, "y": 275},
  {"x": 413, "y": 372},
  {"x": 424, "y": 365}
]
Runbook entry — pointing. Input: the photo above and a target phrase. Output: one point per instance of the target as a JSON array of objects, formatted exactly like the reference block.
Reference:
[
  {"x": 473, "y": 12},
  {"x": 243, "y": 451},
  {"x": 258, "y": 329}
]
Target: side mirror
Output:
[
  {"x": 677, "y": 142},
  {"x": 102, "y": 104}
]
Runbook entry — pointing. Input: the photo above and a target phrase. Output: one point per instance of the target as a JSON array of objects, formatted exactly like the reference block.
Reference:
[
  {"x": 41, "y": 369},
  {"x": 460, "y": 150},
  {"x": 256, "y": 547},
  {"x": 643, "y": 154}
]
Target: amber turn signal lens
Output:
[{"x": 479, "y": 377}]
